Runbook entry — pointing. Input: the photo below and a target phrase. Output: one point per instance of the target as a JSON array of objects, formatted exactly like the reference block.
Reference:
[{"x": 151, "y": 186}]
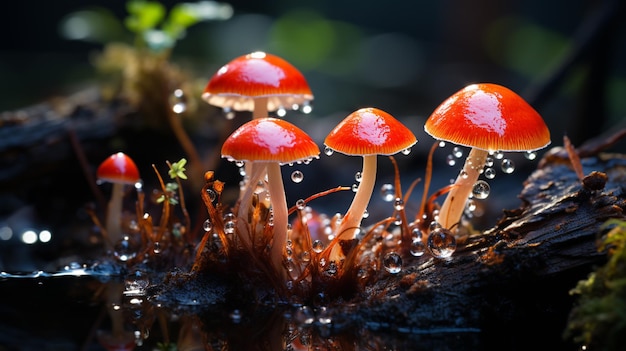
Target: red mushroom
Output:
[
  {"x": 367, "y": 132},
  {"x": 120, "y": 170},
  {"x": 268, "y": 143},
  {"x": 487, "y": 118},
  {"x": 257, "y": 82}
]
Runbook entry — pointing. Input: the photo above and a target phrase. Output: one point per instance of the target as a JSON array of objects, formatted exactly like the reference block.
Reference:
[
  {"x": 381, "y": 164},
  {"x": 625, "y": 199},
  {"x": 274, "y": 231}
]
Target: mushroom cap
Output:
[
  {"x": 255, "y": 75},
  {"x": 118, "y": 168},
  {"x": 490, "y": 117},
  {"x": 269, "y": 140},
  {"x": 370, "y": 131}
]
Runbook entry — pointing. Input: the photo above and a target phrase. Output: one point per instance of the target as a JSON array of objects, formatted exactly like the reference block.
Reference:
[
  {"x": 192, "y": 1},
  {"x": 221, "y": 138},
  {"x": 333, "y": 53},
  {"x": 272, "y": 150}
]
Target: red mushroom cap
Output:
[
  {"x": 269, "y": 140},
  {"x": 256, "y": 75},
  {"x": 118, "y": 168},
  {"x": 489, "y": 117},
  {"x": 370, "y": 131}
]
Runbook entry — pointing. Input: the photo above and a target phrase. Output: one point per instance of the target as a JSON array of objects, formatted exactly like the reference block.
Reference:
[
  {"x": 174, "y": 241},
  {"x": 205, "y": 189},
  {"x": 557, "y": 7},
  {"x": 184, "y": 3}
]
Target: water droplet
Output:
[
  {"x": 358, "y": 176},
  {"x": 406, "y": 151},
  {"x": 304, "y": 315},
  {"x": 229, "y": 227},
  {"x": 463, "y": 174},
  {"x": 124, "y": 250},
  {"x": 450, "y": 160},
  {"x": 156, "y": 248},
  {"x": 392, "y": 262},
  {"x": 228, "y": 113},
  {"x": 441, "y": 243},
  {"x": 300, "y": 204},
  {"x": 530, "y": 155},
  {"x": 457, "y": 152},
  {"x": 297, "y": 176},
  {"x": 178, "y": 101},
  {"x": 388, "y": 193},
  {"x": 490, "y": 173},
  {"x": 442, "y": 143},
  {"x": 328, "y": 151},
  {"x": 398, "y": 204},
  {"x": 508, "y": 166},
  {"x": 470, "y": 206},
  {"x": 366, "y": 214},
  {"x": 355, "y": 187},
  {"x": 317, "y": 246},
  {"x": 489, "y": 162},
  {"x": 235, "y": 316},
  {"x": 281, "y": 112},
  {"x": 481, "y": 190},
  {"x": 306, "y": 108},
  {"x": 417, "y": 247},
  {"x": 212, "y": 194},
  {"x": 498, "y": 155},
  {"x": 207, "y": 225}
]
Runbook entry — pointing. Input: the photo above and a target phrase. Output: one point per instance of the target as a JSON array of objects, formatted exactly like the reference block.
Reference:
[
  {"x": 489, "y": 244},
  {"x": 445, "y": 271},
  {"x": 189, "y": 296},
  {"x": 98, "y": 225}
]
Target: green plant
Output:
[{"x": 598, "y": 321}]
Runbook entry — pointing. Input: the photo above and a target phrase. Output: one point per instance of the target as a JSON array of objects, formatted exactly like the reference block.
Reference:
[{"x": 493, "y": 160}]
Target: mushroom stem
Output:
[
  {"x": 114, "y": 214},
  {"x": 454, "y": 205},
  {"x": 260, "y": 108},
  {"x": 361, "y": 199},
  {"x": 257, "y": 172},
  {"x": 259, "y": 111},
  {"x": 278, "y": 202}
]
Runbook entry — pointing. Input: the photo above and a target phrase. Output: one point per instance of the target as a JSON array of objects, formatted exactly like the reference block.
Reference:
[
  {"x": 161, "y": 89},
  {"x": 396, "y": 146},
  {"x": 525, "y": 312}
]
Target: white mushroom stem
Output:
[
  {"x": 278, "y": 202},
  {"x": 257, "y": 172},
  {"x": 259, "y": 111},
  {"x": 354, "y": 215},
  {"x": 114, "y": 214},
  {"x": 453, "y": 207}
]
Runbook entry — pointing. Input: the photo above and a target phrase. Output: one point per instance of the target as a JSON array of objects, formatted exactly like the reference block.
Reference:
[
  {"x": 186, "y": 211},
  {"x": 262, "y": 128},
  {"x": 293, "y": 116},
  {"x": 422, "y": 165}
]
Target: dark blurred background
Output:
[
  {"x": 567, "y": 57},
  {"x": 402, "y": 56}
]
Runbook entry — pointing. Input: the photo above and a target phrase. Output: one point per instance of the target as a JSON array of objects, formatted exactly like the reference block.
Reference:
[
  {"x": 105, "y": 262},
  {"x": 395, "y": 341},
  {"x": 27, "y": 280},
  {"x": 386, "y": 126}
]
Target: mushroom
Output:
[
  {"x": 268, "y": 143},
  {"x": 487, "y": 118},
  {"x": 257, "y": 82},
  {"x": 367, "y": 132},
  {"x": 120, "y": 170}
]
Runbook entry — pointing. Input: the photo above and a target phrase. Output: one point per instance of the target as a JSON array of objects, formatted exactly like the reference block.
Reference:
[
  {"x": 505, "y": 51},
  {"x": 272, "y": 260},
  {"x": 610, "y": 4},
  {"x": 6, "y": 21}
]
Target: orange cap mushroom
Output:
[
  {"x": 267, "y": 143},
  {"x": 120, "y": 170},
  {"x": 257, "y": 82},
  {"x": 367, "y": 132},
  {"x": 487, "y": 118}
]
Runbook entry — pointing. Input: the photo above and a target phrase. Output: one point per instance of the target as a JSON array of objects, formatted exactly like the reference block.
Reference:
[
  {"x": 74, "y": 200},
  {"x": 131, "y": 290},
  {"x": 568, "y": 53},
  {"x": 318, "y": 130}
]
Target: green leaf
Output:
[
  {"x": 177, "y": 169},
  {"x": 143, "y": 15}
]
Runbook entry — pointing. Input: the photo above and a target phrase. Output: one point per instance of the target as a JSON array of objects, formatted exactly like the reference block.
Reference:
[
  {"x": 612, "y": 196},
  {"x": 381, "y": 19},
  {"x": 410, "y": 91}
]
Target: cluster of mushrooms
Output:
[{"x": 297, "y": 255}]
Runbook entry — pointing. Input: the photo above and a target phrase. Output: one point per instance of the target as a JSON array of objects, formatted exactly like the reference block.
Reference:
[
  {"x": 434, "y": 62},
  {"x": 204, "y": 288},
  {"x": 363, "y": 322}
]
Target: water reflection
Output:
[{"x": 89, "y": 307}]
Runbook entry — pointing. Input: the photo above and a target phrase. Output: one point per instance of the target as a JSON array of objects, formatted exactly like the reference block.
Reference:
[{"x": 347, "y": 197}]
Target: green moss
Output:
[{"x": 598, "y": 321}]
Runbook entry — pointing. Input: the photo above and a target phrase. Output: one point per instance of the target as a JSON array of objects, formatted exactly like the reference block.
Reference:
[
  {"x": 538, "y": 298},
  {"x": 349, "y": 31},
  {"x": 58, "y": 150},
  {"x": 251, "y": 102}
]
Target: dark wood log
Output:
[{"x": 509, "y": 285}]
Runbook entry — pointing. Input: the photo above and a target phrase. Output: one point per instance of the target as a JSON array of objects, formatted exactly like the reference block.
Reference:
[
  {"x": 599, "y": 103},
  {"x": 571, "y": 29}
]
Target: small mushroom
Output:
[
  {"x": 487, "y": 118},
  {"x": 257, "y": 82},
  {"x": 120, "y": 170},
  {"x": 367, "y": 132},
  {"x": 268, "y": 143}
]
